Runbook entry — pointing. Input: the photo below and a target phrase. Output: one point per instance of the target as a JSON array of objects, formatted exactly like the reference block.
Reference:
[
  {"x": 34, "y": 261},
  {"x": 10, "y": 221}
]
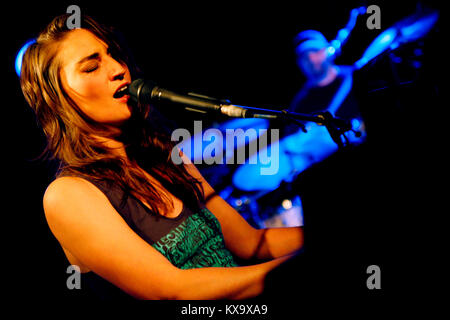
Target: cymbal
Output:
[{"x": 406, "y": 30}]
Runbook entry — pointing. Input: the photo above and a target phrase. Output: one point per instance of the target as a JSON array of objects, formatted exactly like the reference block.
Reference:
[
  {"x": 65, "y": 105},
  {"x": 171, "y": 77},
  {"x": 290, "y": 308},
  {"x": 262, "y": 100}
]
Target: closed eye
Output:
[
  {"x": 90, "y": 63},
  {"x": 90, "y": 68}
]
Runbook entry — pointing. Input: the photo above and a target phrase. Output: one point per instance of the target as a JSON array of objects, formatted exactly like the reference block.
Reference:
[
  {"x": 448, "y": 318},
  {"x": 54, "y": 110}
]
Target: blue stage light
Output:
[
  {"x": 19, "y": 57},
  {"x": 331, "y": 50},
  {"x": 356, "y": 124}
]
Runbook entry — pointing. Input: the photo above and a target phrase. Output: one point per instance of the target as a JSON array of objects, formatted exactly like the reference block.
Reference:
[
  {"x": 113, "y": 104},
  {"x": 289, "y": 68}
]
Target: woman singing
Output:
[{"x": 122, "y": 211}]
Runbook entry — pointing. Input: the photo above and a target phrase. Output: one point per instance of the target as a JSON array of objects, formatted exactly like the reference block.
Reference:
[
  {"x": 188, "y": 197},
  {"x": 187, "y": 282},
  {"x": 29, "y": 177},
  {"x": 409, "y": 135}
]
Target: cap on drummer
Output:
[{"x": 313, "y": 54}]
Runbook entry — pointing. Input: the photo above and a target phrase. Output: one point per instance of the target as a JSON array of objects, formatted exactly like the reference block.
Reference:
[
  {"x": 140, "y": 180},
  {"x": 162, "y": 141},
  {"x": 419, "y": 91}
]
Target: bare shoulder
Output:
[
  {"x": 67, "y": 191},
  {"x": 97, "y": 237}
]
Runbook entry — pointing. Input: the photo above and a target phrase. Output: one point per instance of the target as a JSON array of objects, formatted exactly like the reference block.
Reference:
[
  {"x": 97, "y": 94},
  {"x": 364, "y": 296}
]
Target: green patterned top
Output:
[
  {"x": 191, "y": 240},
  {"x": 197, "y": 242}
]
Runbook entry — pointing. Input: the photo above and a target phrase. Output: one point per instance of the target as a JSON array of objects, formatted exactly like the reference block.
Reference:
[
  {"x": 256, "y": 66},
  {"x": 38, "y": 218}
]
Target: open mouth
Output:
[{"x": 121, "y": 92}]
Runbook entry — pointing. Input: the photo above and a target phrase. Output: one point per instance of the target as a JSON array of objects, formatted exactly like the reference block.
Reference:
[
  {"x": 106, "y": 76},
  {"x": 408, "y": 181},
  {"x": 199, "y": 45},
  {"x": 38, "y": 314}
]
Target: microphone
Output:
[{"x": 144, "y": 91}]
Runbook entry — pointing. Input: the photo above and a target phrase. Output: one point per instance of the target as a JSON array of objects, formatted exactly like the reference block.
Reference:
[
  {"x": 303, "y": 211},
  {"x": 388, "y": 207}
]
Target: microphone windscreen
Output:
[{"x": 140, "y": 91}]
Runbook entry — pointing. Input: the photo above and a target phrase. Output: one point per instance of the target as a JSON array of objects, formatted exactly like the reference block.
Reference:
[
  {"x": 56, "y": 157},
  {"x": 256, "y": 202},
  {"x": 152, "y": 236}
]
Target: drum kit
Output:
[{"x": 269, "y": 200}]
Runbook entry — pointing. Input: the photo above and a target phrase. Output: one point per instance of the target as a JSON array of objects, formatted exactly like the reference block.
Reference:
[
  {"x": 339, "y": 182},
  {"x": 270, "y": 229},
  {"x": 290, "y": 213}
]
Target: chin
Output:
[{"x": 125, "y": 113}]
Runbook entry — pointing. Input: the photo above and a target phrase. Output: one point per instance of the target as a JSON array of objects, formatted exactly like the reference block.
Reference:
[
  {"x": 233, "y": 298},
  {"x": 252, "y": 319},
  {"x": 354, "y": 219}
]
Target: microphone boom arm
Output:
[{"x": 143, "y": 92}]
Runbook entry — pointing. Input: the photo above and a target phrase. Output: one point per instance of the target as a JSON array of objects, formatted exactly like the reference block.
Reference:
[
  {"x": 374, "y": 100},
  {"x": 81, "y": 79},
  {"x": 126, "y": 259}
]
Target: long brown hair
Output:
[{"x": 69, "y": 132}]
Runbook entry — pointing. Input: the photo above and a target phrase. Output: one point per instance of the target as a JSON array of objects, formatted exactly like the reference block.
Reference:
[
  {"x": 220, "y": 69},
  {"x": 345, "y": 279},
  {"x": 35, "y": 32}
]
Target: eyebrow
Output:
[{"x": 93, "y": 56}]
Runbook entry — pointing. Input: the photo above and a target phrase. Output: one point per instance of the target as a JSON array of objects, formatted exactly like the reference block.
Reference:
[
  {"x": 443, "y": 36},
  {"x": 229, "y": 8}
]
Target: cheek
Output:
[
  {"x": 94, "y": 98},
  {"x": 86, "y": 89},
  {"x": 85, "y": 94}
]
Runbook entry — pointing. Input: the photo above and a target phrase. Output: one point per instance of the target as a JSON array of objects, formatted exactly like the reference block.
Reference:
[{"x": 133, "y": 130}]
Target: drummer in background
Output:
[{"x": 328, "y": 86}]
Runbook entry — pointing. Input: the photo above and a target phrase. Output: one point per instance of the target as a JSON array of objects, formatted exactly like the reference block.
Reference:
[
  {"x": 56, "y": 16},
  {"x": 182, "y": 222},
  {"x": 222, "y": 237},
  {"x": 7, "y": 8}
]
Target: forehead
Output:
[
  {"x": 312, "y": 52},
  {"x": 78, "y": 44}
]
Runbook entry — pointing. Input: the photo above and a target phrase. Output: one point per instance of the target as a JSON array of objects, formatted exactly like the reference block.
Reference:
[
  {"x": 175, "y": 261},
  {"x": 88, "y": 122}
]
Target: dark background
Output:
[{"x": 373, "y": 205}]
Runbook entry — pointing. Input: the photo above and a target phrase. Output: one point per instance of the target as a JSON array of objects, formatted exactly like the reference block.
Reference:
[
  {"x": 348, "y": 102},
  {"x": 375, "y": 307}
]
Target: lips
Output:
[{"x": 121, "y": 91}]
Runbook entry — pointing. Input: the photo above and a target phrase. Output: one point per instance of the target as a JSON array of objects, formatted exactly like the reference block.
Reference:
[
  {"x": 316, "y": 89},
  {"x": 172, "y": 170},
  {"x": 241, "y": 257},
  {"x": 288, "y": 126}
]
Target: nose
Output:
[{"x": 116, "y": 70}]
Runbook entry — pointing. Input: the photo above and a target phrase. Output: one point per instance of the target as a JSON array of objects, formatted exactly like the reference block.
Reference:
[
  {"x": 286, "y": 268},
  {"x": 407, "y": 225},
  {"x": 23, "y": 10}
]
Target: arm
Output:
[
  {"x": 85, "y": 223},
  {"x": 242, "y": 239}
]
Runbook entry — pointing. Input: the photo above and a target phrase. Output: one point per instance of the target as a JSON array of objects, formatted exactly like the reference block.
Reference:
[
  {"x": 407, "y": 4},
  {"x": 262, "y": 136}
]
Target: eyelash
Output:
[
  {"x": 91, "y": 69},
  {"x": 95, "y": 67}
]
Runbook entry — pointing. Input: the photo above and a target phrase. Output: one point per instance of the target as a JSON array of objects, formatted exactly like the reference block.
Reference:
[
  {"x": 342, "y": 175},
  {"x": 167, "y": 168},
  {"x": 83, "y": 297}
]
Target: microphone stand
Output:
[
  {"x": 199, "y": 103},
  {"x": 336, "y": 126}
]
